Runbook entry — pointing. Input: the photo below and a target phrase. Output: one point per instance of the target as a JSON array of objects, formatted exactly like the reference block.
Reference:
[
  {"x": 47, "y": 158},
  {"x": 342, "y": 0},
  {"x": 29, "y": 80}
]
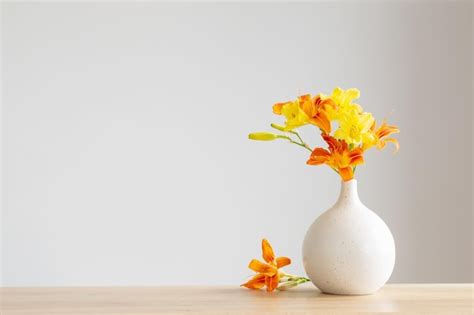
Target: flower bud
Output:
[
  {"x": 277, "y": 127},
  {"x": 263, "y": 136}
]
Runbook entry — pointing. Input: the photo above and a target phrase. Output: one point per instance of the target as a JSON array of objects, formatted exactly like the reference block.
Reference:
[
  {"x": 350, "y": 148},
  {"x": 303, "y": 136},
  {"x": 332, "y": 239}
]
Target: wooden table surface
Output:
[{"x": 398, "y": 298}]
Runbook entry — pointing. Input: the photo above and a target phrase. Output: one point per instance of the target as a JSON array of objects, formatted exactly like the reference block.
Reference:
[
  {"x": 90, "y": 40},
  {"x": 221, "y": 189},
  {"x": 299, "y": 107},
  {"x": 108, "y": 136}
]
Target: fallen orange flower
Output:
[
  {"x": 339, "y": 157},
  {"x": 269, "y": 274}
]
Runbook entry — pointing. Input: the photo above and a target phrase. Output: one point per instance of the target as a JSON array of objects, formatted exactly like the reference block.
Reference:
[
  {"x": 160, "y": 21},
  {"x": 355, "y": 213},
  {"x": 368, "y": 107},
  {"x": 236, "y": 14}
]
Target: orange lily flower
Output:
[
  {"x": 384, "y": 131},
  {"x": 314, "y": 109},
  {"x": 339, "y": 157},
  {"x": 268, "y": 273},
  {"x": 380, "y": 134}
]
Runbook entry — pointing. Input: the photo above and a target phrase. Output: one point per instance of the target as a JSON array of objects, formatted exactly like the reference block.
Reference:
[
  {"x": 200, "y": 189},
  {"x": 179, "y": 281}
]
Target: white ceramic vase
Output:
[{"x": 349, "y": 250}]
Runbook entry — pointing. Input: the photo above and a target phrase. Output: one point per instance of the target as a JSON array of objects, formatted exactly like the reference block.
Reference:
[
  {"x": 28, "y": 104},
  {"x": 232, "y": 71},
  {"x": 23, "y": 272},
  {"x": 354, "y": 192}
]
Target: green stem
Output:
[
  {"x": 291, "y": 281},
  {"x": 294, "y": 277},
  {"x": 302, "y": 144},
  {"x": 297, "y": 134},
  {"x": 301, "y": 139}
]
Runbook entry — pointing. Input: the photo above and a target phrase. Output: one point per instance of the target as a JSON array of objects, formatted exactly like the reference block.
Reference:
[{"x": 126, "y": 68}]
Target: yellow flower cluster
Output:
[{"x": 355, "y": 133}]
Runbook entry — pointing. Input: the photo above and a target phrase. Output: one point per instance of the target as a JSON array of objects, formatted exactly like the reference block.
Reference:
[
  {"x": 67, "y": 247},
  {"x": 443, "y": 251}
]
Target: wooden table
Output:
[{"x": 398, "y": 298}]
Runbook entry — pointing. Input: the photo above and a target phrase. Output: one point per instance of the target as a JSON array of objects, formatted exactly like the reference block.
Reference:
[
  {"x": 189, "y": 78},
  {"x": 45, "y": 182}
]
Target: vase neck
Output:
[{"x": 348, "y": 194}]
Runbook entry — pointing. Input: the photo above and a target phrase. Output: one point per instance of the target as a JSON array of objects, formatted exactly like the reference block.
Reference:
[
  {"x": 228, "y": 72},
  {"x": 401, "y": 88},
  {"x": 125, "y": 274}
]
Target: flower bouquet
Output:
[{"x": 357, "y": 130}]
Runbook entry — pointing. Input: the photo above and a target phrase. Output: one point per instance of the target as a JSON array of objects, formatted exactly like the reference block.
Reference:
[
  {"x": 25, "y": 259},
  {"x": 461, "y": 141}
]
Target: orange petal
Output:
[
  {"x": 267, "y": 251},
  {"x": 272, "y": 282},
  {"x": 343, "y": 146},
  {"x": 283, "y": 261},
  {"x": 306, "y": 105},
  {"x": 320, "y": 152},
  {"x": 328, "y": 102},
  {"x": 386, "y": 130},
  {"x": 356, "y": 160},
  {"x": 326, "y": 122},
  {"x": 356, "y": 157},
  {"x": 346, "y": 173},
  {"x": 331, "y": 141},
  {"x": 262, "y": 268},
  {"x": 257, "y": 282},
  {"x": 316, "y": 161},
  {"x": 318, "y": 156},
  {"x": 322, "y": 121},
  {"x": 277, "y": 108},
  {"x": 304, "y": 98}
]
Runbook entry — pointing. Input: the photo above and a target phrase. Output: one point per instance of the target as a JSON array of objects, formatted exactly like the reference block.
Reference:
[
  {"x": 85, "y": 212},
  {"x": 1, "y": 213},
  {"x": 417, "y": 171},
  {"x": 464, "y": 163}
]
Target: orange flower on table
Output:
[
  {"x": 338, "y": 156},
  {"x": 268, "y": 273}
]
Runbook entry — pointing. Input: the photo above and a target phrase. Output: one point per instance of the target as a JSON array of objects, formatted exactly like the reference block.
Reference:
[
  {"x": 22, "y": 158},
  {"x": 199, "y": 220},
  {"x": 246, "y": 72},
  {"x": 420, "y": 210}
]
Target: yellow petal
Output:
[
  {"x": 350, "y": 95},
  {"x": 336, "y": 94},
  {"x": 357, "y": 108},
  {"x": 368, "y": 140},
  {"x": 366, "y": 121},
  {"x": 340, "y": 134}
]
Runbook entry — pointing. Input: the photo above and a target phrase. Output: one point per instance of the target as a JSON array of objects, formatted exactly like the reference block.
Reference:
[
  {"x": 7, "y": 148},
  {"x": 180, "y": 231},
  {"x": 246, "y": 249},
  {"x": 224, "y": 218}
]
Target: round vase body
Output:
[{"x": 349, "y": 250}]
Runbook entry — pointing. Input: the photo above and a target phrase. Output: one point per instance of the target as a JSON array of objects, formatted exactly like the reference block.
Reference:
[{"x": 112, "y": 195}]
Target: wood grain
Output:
[{"x": 395, "y": 298}]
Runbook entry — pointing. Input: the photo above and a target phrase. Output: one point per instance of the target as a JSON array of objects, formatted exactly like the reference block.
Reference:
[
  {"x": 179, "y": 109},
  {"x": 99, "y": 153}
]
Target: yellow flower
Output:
[
  {"x": 344, "y": 105},
  {"x": 294, "y": 114},
  {"x": 346, "y": 97},
  {"x": 355, "y": 128}
]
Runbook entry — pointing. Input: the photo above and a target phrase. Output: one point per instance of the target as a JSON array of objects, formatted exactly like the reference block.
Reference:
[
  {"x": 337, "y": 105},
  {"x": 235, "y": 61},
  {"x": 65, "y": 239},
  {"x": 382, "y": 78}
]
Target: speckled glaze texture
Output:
[{"x": 349, "y": 250}]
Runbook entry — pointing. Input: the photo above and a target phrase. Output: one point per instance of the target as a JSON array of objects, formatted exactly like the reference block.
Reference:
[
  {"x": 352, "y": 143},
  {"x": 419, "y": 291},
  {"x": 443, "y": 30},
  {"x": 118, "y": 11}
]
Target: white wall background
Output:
[{"x": 125, "y": 158}]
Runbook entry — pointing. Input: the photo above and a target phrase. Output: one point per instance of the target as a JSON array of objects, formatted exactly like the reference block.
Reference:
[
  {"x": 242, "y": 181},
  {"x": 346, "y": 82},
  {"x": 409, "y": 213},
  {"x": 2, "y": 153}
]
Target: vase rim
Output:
[{"x": 353, "y": 180}]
